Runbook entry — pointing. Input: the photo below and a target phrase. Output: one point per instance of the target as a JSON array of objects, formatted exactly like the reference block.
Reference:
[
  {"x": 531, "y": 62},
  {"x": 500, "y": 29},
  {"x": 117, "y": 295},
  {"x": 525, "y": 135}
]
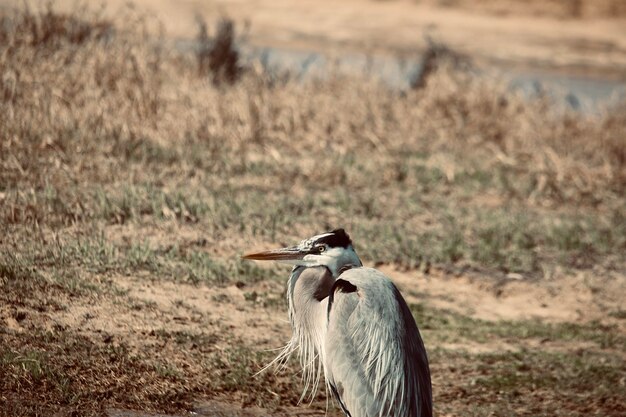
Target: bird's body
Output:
[
  {"x": 377, "y": 360},
  {"x": 351, "y": 324}
]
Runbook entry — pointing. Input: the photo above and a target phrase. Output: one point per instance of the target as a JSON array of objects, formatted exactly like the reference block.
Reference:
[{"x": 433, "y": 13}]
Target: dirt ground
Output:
[
  {"x": 569, "y": 298},
  {"x": 182, "y": 309}
]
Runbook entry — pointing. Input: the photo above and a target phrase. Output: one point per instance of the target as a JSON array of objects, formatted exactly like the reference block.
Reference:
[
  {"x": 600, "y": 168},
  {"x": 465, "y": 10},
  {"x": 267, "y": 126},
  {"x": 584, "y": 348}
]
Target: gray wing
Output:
[{"x": 375, "y": 360}]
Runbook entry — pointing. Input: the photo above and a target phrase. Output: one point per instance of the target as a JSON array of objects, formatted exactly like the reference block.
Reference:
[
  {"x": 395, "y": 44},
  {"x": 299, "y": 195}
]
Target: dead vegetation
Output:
[
  {"x": 218, "y": 56},
  {"x": 118, "y": 163}
]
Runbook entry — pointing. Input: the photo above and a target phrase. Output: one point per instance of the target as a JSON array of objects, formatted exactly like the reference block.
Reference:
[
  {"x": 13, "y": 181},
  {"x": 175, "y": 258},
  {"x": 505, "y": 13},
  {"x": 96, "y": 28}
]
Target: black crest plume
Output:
[{"x": 336, "y": 238}]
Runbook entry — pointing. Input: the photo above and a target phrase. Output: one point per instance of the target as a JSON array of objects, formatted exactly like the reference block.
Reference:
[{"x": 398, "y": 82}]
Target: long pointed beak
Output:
[{"x": 284, "y": 254}]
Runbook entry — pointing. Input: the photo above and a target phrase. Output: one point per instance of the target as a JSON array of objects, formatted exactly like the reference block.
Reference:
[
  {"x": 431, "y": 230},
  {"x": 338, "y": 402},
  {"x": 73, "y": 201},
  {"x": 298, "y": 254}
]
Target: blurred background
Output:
[{"x": 475, "y": 151}]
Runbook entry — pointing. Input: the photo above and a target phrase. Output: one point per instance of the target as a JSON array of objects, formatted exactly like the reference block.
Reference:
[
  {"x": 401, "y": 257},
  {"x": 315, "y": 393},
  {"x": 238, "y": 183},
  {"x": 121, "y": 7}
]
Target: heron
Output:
[{"x": 351, "y": 324}]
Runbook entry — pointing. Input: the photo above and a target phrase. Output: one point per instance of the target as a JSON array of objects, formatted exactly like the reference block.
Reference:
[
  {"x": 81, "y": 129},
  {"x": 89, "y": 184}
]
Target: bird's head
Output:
[{"x": 332, "y": 249}]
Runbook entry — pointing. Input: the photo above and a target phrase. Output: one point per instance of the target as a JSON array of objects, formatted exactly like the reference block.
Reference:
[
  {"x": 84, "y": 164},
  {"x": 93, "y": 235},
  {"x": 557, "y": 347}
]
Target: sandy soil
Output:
[
  {"x": 242, "y": 312},
  {"x": 158, "y": 306},
  {"x": 578, "y": 297},
  {"x": 250, "y": 313}
]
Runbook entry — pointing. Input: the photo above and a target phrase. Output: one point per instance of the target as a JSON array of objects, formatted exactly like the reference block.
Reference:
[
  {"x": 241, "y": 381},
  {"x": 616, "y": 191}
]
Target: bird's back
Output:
[{"x": 375, "y": 359}]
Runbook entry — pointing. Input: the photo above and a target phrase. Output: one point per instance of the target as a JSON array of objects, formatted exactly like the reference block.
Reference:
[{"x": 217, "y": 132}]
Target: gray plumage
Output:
[
  {"x": 374, "y": 355},
  {"x": 352, "y": 324}
]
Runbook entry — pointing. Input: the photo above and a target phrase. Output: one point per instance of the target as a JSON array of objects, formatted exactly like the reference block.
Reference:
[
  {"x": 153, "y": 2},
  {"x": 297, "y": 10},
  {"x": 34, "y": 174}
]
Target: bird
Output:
[{"x": 351, "y": 324}]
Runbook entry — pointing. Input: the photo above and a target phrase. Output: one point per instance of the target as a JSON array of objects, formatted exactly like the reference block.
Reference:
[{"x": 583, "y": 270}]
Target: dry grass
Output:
[{"x": 118, "y": 159}]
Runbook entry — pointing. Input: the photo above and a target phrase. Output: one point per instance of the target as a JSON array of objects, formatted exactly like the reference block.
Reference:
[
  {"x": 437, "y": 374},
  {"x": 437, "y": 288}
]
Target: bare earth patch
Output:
[
  {"x": 151, "y": 314},
  {"x": 577, "y": 297}
]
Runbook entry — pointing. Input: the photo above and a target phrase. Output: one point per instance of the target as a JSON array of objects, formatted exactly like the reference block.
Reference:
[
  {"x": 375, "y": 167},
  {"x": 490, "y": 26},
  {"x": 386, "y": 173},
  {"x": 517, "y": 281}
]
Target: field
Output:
[{"x": 133, "y": 176}]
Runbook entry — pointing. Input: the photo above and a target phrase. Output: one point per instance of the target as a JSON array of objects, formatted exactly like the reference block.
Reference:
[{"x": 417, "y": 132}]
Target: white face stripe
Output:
[
  {"x": 307, "y": 243},
  {"x": 333, "y": 258}
]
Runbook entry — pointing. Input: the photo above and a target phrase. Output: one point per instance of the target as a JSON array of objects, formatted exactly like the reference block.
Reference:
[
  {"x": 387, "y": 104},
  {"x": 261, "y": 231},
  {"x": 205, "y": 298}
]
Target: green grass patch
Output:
[
  {"x": 448, "y": 326},
  {"x": 67, "y": 263}
]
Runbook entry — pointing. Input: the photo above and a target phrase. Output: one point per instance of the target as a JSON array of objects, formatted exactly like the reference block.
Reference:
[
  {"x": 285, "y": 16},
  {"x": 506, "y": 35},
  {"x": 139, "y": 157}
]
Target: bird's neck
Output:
[
  {"x": 309, "y": 290},
  {"x": 311, "y": 286}
]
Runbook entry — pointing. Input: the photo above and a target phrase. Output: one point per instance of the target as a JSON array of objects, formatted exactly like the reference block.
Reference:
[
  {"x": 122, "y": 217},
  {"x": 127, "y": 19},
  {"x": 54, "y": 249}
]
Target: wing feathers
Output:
[{"x": 374, "y": 350}]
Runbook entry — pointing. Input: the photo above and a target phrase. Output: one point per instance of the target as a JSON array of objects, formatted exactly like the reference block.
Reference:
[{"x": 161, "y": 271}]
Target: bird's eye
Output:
[{"x": 321, "y": 248}]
